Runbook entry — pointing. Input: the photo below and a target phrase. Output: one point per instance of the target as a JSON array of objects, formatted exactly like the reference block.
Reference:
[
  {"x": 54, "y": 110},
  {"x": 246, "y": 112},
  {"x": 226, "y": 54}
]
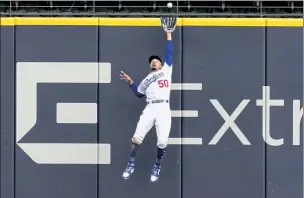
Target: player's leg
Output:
[
  {"x": 144, "y": 125},
  {"x": 163, "y": 127}
]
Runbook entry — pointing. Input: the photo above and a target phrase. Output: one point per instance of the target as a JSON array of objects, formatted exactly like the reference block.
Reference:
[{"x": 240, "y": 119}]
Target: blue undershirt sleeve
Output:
[
  {"x": 168, "y": 57},
  {"x": 134, "y": 89}
]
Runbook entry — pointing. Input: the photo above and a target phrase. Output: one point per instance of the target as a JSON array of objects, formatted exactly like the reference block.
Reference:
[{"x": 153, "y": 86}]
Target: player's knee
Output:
[
  {"x": 162, "y": 142},
  {"x": 137, "y": 140},
  {"x": 162, "y": 145}
]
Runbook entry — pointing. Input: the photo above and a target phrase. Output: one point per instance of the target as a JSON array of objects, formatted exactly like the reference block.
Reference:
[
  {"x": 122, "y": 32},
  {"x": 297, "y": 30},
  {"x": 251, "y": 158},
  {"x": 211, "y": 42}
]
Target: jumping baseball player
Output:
[{"x": 156, "y": 87}]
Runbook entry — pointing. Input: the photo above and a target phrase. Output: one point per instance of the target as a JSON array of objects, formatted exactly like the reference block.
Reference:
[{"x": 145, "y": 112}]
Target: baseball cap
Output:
[{"x": 154, "y": 57}]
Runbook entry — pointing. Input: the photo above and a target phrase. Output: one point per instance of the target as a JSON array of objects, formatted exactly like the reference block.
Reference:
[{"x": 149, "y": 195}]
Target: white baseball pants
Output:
[{"x": 158, "y": 114}]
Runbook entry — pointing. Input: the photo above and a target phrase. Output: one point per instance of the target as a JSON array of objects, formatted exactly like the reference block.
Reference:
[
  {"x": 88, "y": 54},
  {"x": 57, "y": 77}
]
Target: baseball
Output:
[{"x": 169, "y": 5}]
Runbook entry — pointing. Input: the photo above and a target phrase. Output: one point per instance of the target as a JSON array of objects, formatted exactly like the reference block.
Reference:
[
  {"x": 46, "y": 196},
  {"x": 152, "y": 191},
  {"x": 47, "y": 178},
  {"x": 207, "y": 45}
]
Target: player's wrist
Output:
[{"x": 169, "y": 36}]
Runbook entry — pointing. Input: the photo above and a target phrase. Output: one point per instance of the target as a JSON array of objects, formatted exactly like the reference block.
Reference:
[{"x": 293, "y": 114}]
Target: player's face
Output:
[{"x": 155, "y": 65}]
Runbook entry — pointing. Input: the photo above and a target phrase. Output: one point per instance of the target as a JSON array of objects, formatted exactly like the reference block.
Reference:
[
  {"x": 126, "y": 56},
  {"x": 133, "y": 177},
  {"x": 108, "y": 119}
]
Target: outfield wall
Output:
[{"x": 67, "y": 118}]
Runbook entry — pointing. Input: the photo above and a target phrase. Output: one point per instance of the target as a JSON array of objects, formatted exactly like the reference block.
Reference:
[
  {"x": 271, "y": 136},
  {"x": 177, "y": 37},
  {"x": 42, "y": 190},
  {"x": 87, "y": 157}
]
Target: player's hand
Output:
[
  {"x": 125, "y": 77},
  {"x": 168, "y": 23}
]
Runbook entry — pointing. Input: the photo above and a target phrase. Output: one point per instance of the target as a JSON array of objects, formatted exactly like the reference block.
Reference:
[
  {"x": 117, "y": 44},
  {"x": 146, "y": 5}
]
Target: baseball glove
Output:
[{"x": 168, "y": 23}]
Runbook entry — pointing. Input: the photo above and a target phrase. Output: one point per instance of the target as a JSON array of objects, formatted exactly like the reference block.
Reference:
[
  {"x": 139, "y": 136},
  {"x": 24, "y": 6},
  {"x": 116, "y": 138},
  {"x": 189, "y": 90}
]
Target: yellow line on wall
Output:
[{"x": 87, "y": 21}]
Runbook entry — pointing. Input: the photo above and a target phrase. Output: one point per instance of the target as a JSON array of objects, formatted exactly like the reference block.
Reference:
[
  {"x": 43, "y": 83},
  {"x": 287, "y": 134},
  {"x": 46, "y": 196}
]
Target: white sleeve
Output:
[{"x": 167, "y": 69}]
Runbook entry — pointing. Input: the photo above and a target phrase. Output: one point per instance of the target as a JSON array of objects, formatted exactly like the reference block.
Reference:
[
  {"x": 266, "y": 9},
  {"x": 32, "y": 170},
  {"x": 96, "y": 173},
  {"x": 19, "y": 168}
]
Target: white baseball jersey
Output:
[{"x": 157, "y": 85}]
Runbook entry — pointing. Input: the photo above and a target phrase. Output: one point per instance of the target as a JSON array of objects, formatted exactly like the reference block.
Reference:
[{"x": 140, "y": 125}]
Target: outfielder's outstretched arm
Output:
[
  {"x": 168, "y": 57},
  {"x": 138, "y": 91},
  {"x": 134, "y": 89}
]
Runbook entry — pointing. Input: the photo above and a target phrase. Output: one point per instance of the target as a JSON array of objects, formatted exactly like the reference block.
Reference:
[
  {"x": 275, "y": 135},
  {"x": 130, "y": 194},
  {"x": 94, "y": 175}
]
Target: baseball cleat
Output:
[
  {"x": 128, "y": 171},
  {"x": 155, "y": 173}
]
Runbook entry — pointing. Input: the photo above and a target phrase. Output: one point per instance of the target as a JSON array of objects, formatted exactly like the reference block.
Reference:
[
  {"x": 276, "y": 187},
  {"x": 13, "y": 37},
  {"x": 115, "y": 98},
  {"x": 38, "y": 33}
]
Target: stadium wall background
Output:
[{"x": 67, "y": 118}]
